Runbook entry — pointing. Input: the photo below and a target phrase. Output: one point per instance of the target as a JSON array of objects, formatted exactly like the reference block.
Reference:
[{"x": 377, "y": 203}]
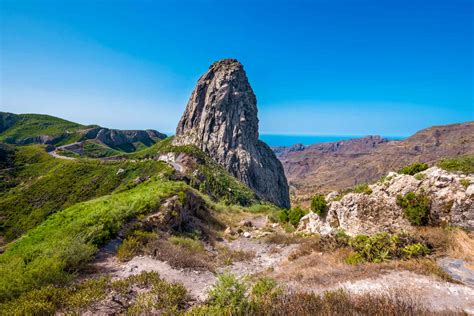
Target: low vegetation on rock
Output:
[
  {"x": 414, "y": 168},
  {"x": 416, "y": 207}
]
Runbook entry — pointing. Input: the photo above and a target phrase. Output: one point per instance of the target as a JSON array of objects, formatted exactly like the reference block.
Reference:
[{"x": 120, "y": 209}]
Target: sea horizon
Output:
[{"x": 274, "y": 140}]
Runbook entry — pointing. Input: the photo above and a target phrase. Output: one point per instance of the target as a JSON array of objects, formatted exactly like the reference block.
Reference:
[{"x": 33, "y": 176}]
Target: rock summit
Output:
[{"x": 221, "y": 119}]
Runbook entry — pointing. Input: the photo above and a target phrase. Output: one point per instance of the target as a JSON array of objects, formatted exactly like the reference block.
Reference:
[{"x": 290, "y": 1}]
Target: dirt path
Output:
[
  {"x": 198, "y": 282},
  {"x": 272, "y": 259}
]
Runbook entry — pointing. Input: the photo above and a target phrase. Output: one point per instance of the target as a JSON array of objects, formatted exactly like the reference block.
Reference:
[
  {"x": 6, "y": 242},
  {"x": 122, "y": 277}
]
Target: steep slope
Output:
[
  {"x": 221, "y": 119},
  {"x": 340, "y": 165},
  {"x": 24, "y": 129}
]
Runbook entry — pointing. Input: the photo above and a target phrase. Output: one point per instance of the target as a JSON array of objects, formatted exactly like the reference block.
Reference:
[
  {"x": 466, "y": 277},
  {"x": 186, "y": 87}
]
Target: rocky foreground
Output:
[{"x": 450, "y": 197}]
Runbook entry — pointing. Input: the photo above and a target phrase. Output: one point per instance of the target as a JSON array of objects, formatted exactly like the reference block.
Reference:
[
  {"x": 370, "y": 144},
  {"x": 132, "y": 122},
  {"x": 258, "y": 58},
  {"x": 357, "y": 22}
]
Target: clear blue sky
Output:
[{"x": 324, "y": 67}]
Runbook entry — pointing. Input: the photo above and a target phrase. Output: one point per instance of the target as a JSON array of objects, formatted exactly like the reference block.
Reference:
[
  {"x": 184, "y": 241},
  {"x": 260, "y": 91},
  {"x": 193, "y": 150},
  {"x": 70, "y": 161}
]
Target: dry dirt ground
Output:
[{"x": 317, "y": 272}]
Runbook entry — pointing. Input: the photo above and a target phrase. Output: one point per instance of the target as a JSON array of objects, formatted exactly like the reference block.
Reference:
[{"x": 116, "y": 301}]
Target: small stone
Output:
[{"x": 247, "y": 235}]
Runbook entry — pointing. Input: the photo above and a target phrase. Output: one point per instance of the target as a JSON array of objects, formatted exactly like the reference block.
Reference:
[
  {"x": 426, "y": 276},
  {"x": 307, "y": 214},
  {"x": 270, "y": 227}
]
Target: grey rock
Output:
[
  {"x": 359, "y": 213},
  {"x": 221, "y": 119}
]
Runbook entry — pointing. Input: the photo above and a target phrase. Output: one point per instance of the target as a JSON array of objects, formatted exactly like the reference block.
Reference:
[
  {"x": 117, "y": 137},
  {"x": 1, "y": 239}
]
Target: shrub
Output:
[
  {"x": 130, "y": 248},
  {"x": 283, "y": 216},
  {"x": 465, "y": 182},
  {"x": 265, "y": 290},
  {"x": 295, "y": 214},
  {"x": 228, "y": 293},
  {"x": 319, "y": 205},
  {"x": 420, "y": 176},
  {"x": 415, "y": 250},
  {"x": 464, "y": 164},
  {"x": 354, "y": 258},
  {"x": 362, "y": 188},
  {"x": 383, "y": 247},
  {"x": 190, "y": 244},
  {"x": 414, "y": 168},
  {"x": 416, "y": 207}
]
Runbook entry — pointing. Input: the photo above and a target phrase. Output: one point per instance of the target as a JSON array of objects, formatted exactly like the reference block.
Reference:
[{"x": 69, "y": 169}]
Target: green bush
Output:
[
  {"x": 295, "y": 214},
  {"x": 362, "y": 188},
  {"x": 465, "y": 182},
  {"x": 354, "y": 258},
  {"x": 416, "y": 207},
  {"x": 415, "y": 250},
  {"x": 414, "y": 168},
  {"x": 383, "y": 247},
  {"x": 265, "y": 290},
  {"x": 228, "y": 293},
  {"x": 130, "y": 248},
  {"x": 319, "y": 205},
  {"x": 464, "y": 164},
  {"x": 283, "y": 216}
]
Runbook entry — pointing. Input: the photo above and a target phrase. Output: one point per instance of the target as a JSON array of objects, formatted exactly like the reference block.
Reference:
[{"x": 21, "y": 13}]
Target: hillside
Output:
[
  {"x": 95, "y": 221},
  {"x": 89, "y": 141},
  {"x": 340, "y": 165}
]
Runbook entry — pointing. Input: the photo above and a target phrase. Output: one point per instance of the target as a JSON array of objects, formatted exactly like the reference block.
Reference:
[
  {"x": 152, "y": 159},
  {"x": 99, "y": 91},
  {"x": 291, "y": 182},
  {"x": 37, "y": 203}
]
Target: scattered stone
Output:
[
  {"x": 246, "y": 223},
  {"x": 246, "y": 235}
]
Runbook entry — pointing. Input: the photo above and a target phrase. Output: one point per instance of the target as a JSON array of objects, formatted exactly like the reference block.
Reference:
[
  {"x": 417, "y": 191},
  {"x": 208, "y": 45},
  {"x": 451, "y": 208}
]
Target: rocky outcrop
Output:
[
  {"x": 118, "y": 138},
  {"x": 451, "y": 202},
  {"x": 221, "y": 119}
]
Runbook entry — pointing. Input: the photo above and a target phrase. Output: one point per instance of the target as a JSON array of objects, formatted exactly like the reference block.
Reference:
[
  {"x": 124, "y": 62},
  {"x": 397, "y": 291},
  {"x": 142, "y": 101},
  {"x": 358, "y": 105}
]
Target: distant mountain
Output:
[
  {"x": 91, "y": 140},
  {"x": 343, "y": 164}
]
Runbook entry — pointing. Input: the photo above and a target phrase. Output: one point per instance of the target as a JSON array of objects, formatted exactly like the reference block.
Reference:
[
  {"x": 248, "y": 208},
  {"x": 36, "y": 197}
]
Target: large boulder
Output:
[
  {"x": 451, "y": 199},
  {"x": 221, "y": 119}
]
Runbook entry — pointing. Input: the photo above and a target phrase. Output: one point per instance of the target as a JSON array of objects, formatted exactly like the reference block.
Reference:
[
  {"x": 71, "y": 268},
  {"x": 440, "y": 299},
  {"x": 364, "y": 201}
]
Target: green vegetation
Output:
[
  {"x": 383, "y": 247},
  {"x": 52, "y": 252},
  {"x": 210, "y": 178},
  {"x": 319, "y": 205},
  {"x": 420, "y": 176},
  {"x": 464, "y": 164},
  {"x": 41, "y": 185},
  {"x": 96, "y": 150},
  {"x": 266, "y": 298},
  {"x": 465, "y": 182},
  {"x": 414, "y": 168},
  {"x": 416, "y": 207},
  {"x": 362, "y": 188},
  {"x": 19, "y": 128},
  {"x": 75, "y": 299},
  {"x": 291, "y": 216}
]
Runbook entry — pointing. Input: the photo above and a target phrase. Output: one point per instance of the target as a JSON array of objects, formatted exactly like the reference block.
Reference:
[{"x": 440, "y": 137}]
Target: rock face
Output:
[
  {"x": 451, "y": 197},
  {"x": 221, "y": 119},
  {"x": 117, "y": 138}
]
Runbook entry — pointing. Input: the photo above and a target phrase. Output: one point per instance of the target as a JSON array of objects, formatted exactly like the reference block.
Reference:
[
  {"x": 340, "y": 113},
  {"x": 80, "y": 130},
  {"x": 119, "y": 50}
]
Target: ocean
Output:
[{"x": 289, "y": 140}]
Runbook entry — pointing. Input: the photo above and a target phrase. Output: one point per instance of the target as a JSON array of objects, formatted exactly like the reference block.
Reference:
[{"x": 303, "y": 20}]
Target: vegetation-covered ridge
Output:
[
  {"x": 56, "y": 249},
  {"x": 74, "y": 139},
  {"x": 27, "y": 127},
  {"x": 207, "y": 176},
  {"x": 37, "y": 185}
]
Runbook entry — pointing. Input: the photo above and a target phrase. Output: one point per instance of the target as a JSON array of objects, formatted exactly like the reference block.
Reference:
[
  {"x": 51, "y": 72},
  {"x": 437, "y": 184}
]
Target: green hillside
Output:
[{"x": 17, "y": 128}]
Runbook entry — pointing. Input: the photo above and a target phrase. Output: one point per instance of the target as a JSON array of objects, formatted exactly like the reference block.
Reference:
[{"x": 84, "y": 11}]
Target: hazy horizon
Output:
[{"x": 317, "y": 67}]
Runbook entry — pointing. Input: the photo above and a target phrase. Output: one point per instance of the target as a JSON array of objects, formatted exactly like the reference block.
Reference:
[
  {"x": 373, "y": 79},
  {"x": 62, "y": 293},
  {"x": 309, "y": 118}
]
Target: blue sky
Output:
[{"x": 326, "y": 67}]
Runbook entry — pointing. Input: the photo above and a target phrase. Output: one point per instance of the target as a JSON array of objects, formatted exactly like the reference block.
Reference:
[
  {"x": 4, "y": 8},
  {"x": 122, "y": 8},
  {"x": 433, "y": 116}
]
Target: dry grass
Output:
[
  {"x": 451, "y": 242},
  {"x": 342, "y": 303},
  {"x": 181, "y": 256},
  {"x": 422, "y": 266},
  {"x": 282, "y": 239},
  {"x": 461, "y": 246},
  {"x": 227, "y": 256}
]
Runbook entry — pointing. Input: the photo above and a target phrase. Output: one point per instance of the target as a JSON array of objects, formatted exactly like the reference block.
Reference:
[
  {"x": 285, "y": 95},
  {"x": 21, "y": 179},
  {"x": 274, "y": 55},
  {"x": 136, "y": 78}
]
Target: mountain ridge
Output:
[{"x": 339, "y": 165}]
